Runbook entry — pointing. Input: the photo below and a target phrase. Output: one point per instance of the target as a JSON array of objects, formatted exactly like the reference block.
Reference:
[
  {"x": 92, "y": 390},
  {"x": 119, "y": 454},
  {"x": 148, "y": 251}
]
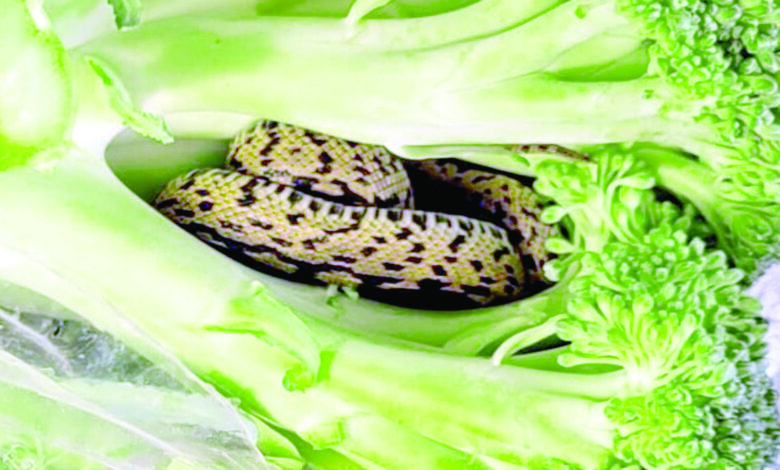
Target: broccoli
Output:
[
  {"x": 647, "y": 353},
  {"x": 746, "y": 224}
]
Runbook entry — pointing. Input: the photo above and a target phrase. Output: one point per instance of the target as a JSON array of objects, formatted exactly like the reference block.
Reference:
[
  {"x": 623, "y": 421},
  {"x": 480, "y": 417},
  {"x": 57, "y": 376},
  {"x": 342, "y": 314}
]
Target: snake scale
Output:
[{"x": 319, "y": 208}]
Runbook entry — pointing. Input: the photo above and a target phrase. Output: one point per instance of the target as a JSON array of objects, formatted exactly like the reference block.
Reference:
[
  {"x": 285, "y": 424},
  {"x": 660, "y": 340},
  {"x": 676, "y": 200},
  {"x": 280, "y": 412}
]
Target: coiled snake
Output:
[{"x": 324, "y": 209}]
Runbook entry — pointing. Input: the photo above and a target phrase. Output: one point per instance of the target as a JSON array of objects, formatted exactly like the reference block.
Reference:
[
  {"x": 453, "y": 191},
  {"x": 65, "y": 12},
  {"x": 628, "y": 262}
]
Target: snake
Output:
[{"x": 322, "y": 209}]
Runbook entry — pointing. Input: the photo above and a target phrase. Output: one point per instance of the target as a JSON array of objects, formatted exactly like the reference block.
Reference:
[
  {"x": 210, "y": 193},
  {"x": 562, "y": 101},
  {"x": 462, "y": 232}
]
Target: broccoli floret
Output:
[
  {"x": 744, "y": 218},
  {"x": 675, "y": 319}
]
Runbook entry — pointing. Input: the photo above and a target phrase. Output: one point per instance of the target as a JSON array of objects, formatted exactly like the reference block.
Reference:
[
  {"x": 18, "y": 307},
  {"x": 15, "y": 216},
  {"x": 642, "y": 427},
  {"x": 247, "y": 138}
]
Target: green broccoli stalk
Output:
[{"x": 35, "y": 91}]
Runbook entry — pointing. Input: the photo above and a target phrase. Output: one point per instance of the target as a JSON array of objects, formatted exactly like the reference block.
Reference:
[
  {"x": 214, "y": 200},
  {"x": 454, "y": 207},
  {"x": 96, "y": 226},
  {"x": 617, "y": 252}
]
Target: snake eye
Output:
[{"x": 302, "y": 183}]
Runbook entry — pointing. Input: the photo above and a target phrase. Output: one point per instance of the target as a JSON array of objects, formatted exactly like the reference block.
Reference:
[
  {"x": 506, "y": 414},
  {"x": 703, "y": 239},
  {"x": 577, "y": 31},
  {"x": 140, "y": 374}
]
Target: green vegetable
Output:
[
  {"x": 745, "y": 224},
  {"x": 647, "y": 353}
]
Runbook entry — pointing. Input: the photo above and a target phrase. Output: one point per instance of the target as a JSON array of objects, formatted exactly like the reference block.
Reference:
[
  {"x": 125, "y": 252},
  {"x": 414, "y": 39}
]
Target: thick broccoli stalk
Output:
[{"x": 35, "y": 87}]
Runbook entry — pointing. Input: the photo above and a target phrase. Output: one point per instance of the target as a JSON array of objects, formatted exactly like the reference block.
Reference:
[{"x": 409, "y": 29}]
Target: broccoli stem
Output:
[
  {"x": 492, "y": 89},
  {"x": 513, "y": 412},
  {"x": 682, "y": 175},
  {"x": 36, "y": 91}
]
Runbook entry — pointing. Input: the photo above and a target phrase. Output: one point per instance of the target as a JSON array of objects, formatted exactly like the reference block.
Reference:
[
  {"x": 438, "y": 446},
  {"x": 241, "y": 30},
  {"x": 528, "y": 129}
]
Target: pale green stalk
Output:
[{"x": 490, "y": 89}]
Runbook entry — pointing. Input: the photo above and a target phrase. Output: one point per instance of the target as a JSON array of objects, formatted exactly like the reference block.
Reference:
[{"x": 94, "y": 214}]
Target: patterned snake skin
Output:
[{"x": 318, "y": 208}]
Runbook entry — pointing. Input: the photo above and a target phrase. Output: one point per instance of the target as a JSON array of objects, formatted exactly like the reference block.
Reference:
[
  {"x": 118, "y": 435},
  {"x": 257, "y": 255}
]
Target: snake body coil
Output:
[{"x": 326, "y": 209}]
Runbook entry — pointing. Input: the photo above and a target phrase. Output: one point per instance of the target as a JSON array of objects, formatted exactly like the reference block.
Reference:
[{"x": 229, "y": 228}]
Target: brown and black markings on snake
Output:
[
  {"x": 288, "y": 203},
  {"x": 457, "y": 187}
]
